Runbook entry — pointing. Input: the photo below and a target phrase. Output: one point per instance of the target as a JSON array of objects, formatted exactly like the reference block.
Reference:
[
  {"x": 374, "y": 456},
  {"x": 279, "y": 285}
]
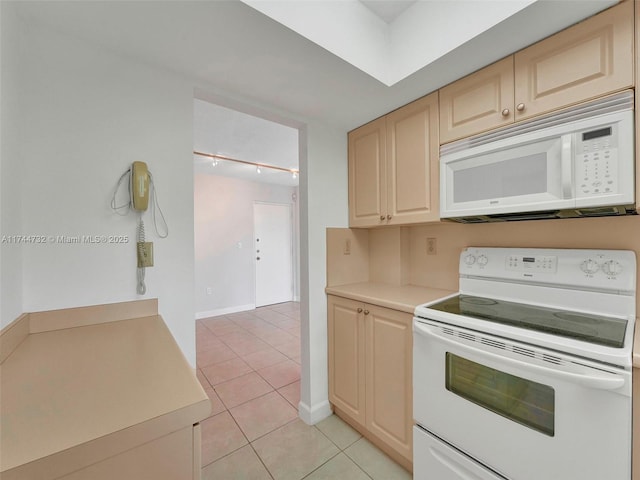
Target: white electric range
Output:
[{"x": 525, "y": 374}]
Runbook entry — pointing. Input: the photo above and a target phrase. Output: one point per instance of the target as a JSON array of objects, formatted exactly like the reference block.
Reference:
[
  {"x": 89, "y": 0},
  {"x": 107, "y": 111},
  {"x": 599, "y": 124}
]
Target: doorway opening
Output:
[
  {"x": 241, "y": 160},
  {"x": 247, "y": 271}
]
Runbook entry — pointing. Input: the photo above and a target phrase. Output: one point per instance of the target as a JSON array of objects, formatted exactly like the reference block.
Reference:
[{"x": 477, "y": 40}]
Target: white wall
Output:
[
  {"x": 10, "y": 171},
  {"x": 87, "y": 114},
  {"x": 324, "y": 200},
  {"x": 223, "y": 215}
]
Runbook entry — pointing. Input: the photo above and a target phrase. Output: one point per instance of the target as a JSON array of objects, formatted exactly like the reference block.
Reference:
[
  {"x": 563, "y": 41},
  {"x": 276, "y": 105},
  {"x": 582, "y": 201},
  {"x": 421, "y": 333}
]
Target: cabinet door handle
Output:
[
  {"x": 506, "y": 112},
  {"x": 359, "y": 310},
  {"x": 388, "y": 217},
  {"x": 381, "y": 217},
  {"x": 366, "y": 312},
  {"x": 520, "y": 107}
]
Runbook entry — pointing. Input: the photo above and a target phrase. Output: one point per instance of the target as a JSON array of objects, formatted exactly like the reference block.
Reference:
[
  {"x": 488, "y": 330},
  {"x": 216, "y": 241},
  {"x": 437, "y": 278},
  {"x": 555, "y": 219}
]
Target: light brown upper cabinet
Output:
[
  {"x": 393, "y": 167},
  {"x": 585, "y": 61},
  {"x": 479, "y": 102},
  {"x": 367, "y": 174}
]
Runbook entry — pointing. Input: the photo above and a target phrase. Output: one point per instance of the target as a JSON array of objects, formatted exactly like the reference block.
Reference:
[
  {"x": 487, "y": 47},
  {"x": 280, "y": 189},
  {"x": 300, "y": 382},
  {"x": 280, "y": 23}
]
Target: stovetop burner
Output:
[{"x": 596, "y": 329}]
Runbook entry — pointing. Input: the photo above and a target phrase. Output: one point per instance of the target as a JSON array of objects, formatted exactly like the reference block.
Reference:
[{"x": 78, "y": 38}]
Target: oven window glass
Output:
[{"x": 523, "y": 401}]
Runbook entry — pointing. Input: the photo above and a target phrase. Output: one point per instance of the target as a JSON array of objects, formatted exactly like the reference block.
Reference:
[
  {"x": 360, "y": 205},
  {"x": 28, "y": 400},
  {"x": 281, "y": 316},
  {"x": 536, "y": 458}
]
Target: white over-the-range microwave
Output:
[{"x": 579, "y": 162}]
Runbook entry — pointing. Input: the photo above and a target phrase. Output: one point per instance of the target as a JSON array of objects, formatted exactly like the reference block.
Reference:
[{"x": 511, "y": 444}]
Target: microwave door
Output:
[{"x": 530, "y": 177}]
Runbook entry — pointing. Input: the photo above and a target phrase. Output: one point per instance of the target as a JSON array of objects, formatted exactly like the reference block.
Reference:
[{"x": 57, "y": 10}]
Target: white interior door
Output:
[{"x": 273, "y": 253}]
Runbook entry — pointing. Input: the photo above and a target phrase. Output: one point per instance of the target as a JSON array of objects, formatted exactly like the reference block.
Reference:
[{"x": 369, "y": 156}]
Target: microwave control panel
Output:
[{"x": 596, "y": 162}]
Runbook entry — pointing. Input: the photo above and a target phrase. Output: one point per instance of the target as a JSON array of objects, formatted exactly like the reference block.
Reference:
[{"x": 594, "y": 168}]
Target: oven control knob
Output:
[
  {"x": 611, "y": 268},
  {"x": 470, "y": 259},
  {"x": 589, "y": 266},
  {"x": 482, "y": 260}
]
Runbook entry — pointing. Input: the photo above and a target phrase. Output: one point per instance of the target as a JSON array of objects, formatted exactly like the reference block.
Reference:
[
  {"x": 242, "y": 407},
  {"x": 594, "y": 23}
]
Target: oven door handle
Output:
[{"x": 599, "y": 382}]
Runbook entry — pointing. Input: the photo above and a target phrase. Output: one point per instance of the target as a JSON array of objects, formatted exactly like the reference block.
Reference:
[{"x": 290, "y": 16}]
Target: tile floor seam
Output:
[
  {"x": 261, "y": 461},
  {"x": 276, "y": 428},
  {"x": 247, "y": 401},
  {"x": 320, "y": 466},
  {"x": 250, "y": 400}
]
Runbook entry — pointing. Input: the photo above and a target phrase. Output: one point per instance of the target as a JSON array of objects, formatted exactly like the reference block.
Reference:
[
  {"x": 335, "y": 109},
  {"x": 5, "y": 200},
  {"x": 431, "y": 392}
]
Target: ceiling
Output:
[
  {"x": 223, "y": 131},
  {"x": 388, "y": 10},
  {"x": 339, "y": 62},
  {"x": 235, "y": 51}
]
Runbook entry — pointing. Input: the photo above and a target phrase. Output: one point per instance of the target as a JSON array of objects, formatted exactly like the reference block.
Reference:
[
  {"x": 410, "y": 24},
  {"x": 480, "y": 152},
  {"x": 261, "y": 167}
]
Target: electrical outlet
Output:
[
  {"x": 432, "y": 246},
  {"x": 145, "y": 254},
  {"x": 347, "y": 247}
]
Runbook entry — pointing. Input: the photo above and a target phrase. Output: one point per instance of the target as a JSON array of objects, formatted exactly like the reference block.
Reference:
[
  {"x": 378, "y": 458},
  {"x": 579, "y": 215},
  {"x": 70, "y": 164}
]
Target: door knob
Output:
[
  {"x": 520, "y": 107},
  {"x": 381, "y": 217},
  {"x": 359, "y": 310},
  {"x": 506, "y": 112},
  {"x": 257, "y": 258},
  {"x": 388, "y": 217},
  {"x": 366, "y": 312}
]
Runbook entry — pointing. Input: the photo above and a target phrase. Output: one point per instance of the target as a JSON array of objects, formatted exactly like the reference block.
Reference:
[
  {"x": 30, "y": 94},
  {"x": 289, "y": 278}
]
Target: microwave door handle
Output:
[
  {"x": 566, "y": 163},
  {"x": 599, "y": 382}
]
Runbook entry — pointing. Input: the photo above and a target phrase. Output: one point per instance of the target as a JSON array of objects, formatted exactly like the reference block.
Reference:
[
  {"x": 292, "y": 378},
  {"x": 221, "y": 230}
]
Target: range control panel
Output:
[
  {"x": 532, "y": 263},
  {"x": 607, "y": 269}
]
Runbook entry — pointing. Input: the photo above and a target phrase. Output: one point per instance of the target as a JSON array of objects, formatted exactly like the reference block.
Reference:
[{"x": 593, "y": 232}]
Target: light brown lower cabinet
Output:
[{"x": 370, "y": 373}]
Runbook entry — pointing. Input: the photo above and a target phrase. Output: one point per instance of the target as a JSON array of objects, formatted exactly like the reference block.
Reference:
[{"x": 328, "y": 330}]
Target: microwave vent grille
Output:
[{"x": 614, "y": 103}]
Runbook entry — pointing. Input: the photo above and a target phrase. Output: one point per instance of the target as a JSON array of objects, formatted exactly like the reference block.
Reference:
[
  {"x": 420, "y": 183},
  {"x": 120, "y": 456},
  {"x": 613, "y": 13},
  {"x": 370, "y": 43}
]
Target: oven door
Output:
[{"x": 526, "y": 412}]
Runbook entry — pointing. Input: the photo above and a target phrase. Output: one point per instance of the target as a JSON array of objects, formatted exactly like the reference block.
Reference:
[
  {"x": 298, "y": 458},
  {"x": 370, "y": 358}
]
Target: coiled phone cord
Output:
[{"x": 142, "y": 288}]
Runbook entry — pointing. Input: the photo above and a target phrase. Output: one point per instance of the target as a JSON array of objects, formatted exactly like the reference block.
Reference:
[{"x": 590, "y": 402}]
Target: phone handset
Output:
[{"x": 139, "y": 186}]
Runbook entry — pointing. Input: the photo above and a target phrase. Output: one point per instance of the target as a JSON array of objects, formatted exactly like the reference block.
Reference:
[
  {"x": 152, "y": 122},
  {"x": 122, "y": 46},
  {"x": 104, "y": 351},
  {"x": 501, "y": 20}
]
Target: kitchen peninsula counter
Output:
[{"x": 81, "y": 401}]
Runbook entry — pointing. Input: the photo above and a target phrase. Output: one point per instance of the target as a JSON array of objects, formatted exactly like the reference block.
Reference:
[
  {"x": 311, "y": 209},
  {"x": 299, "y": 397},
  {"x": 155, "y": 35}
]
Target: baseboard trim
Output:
[
  {"x": 224, "y": 311},
  {"x": 313, "y": 415}
]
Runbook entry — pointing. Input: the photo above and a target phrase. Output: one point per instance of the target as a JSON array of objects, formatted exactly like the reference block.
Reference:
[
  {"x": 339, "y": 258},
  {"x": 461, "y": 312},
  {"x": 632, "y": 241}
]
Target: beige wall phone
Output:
[
  {"x": 139, "y": 186},
  {"x": 141, "y": 190}
]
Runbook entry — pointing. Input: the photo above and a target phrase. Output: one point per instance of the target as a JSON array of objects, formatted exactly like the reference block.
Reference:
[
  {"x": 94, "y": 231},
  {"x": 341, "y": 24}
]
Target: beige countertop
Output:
[
  {"x": 73, "y": 396},
  {"x": 404, "y": 298}
]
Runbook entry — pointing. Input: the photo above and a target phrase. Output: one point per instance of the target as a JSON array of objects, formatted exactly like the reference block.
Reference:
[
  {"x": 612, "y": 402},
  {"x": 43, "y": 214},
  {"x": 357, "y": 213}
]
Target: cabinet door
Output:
[
  {"x": 412, "y": 162},
  {"x": 346, "y": 357},
  {"x": 388, "y": 377},
  {"x": 478, "y": 102},
  {"x": 585, "y": 61},
  {"x": 367, "y": 187}
]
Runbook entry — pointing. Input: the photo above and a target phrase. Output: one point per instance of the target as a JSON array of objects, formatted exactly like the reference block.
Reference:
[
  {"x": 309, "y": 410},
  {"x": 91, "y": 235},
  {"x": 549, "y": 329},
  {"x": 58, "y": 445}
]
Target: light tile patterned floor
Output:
[{"x": 249, "y": 365}]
